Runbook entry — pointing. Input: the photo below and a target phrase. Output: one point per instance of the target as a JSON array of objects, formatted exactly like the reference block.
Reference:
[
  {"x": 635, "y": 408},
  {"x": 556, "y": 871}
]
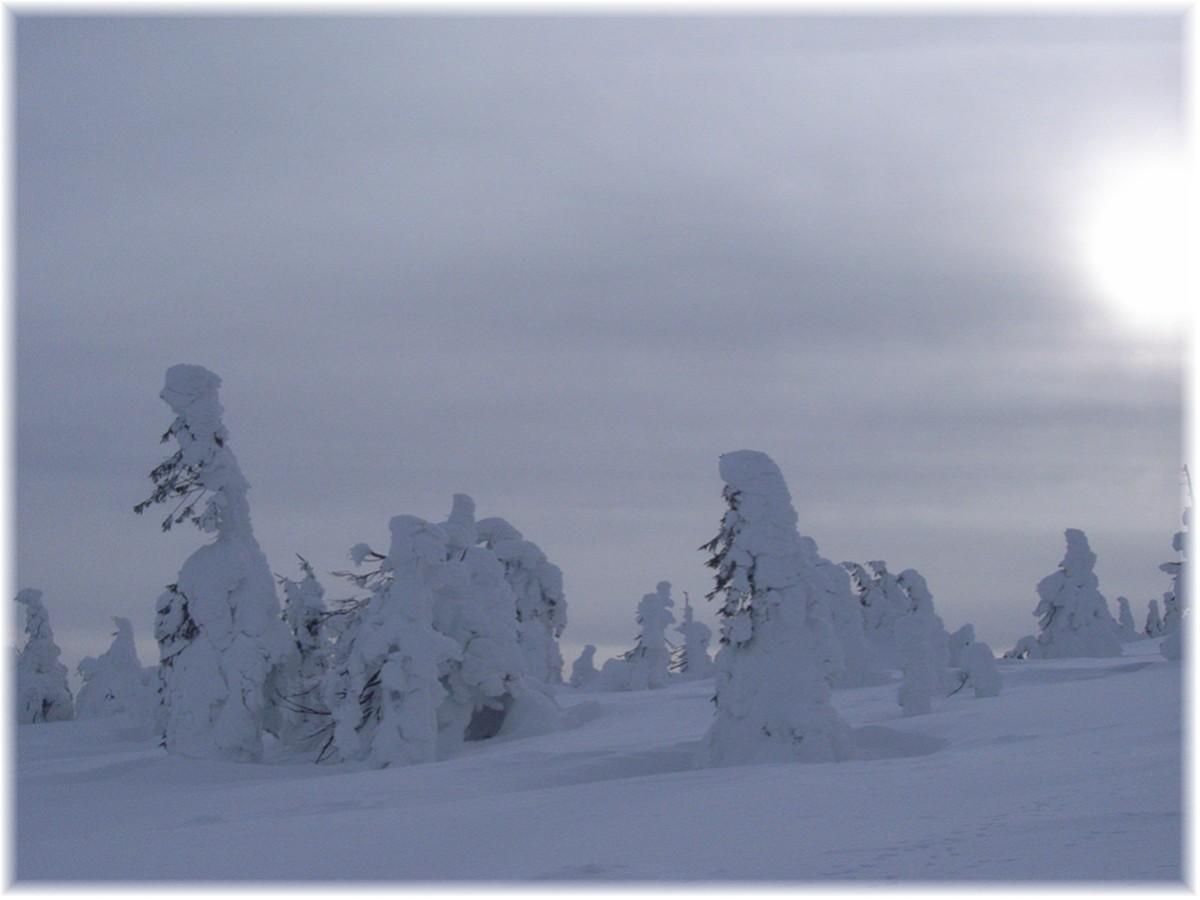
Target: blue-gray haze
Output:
[{"x": 561, "y": 264}]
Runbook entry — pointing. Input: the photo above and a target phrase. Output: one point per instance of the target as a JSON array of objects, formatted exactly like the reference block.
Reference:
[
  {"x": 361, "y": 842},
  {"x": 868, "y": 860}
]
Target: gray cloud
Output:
[{"x": 561, "y": 264}]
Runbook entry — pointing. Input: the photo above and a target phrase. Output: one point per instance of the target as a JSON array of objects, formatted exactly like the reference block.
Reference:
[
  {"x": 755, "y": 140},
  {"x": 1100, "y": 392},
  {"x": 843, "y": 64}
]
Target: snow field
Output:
[{"x": 1073, "y": 773}]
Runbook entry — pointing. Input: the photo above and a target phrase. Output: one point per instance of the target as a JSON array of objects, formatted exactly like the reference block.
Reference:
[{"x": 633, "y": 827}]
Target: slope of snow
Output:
[{"x": 1073, "y": 772}]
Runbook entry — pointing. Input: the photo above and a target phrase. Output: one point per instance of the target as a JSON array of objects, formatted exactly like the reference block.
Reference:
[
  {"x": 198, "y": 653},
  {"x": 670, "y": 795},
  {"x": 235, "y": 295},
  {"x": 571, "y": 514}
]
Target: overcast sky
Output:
[{"x": 561, "y": 264}]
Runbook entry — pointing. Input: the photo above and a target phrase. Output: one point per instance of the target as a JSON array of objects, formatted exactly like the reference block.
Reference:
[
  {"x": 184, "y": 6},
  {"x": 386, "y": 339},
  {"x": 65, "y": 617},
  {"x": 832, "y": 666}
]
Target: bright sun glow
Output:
[{"x": 1135, "y": 243}]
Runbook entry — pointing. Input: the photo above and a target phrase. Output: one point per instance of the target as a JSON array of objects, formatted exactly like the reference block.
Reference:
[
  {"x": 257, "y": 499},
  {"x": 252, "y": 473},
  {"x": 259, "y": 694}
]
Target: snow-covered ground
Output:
[{"x": 1074, "y": 772}]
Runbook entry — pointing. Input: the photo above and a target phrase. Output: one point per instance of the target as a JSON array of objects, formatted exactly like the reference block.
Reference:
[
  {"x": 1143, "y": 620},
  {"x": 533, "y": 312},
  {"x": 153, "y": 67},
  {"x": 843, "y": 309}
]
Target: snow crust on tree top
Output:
[{"x": 779, "y": 651}]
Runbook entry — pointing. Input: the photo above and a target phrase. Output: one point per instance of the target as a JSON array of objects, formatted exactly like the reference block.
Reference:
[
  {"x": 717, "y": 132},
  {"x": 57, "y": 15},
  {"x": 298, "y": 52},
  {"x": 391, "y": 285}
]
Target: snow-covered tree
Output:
[
  {"x": 1026, "y": 648},
  {"x": 475, "y": 607},
  {"x": 959, "y": 640},
  {"x": 884, "y": 602},
  {"x": 919, "y": 675},
  {"x": 304, "y": 611},
  {"x": 42, "y": 691},
  {"x": 691, "y": 661},
  {"x": 1126, "y": 629},
  {"x": 779, "y": 652},
  {"x": 222, "y": 643},
  {"x": 860, "y": 660},
  {"x": 981, "y": 672},
  {"x": 1154, "y": 625},
  {"x": 538, "y": 585},
  {"x": 583, "y": 670},
  {"x": 921, "y": 604},
  {"x": 1074, "y": 615},
  {"x": 442, "y": 614},
  {"x": 1175, "y": 601},
  {"x": 650, "y": 658},
  {"x": 384, "y": 689},
  {"x": 115, "y": 684}
]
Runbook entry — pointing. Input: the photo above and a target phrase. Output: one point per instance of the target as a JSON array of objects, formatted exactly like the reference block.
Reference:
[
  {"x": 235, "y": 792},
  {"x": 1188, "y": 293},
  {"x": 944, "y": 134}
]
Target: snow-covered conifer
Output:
[
  {"x": 115, "y": 684},
  {"x": 860, "y": 660},
  {"x": 42, "y": 691},
  {"x": 1175, "y": 600},
  {"x": 884, "y": 602},
  {"x": 980, "y": 666},
  {"x": 692, "y": 661},
  {"x": 1074, "y": 615},
  {"x": 583, "y": 670},
  {"x": 1126, "y": 629},
  {"x": 919, "y": 681},
  {"x": 475, "y": 606},
  {"x": 959, "y": 640},
  {"x": 921, "y": 604},
  {"x": 1154, "y": 625},
  {"x": 650, "y": 659},
  {"x": 305, "y": 613},
  {"x": 384, "y": 689},
  {"x": 778, "y": 652},
  {"x": 538, "y": 585},
  {"x": 222, "y": 643}
]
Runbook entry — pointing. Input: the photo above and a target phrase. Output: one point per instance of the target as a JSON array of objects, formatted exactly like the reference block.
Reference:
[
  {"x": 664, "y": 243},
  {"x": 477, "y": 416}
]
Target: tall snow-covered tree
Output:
[
  {"x": 1175, "y": 600},
  {"x": 1074, "y": 616},
  {"x": 115, "y": 684},
  {"x": 222, "y": 643},
  {"x": 42, "y": 691},
  {"x": 692, "y": 661},
  {"x": 884, "y": 602},
  {"x": 921, "y": 604},
  {"x": 958, "y": 641},
  {"x": 305, "y": 714},
  {"x": 1154, "y": 625},
  {"x": 384, "y": 688},
  {"x": 583, "y": 670},
  {"x": 860, "y": 660},
  {"x": 779, "y": 652},
  {"x": 650, "y": 659},
  {"x": 475, "y": 606},
  {"x": 919, "y": 681},
  {"x": 1126, "y": 628},
  {"x": 437, "y": 586},
  {"x": 538, "y": 585}
]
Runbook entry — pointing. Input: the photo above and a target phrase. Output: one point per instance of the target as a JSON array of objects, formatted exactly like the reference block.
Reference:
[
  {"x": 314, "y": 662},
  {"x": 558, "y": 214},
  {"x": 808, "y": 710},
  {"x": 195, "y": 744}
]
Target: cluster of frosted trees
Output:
[
  {"x": 1074, "y": 618},
  {"x": 457, "y": 633},
  {"x": 456, "y": 636}
]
